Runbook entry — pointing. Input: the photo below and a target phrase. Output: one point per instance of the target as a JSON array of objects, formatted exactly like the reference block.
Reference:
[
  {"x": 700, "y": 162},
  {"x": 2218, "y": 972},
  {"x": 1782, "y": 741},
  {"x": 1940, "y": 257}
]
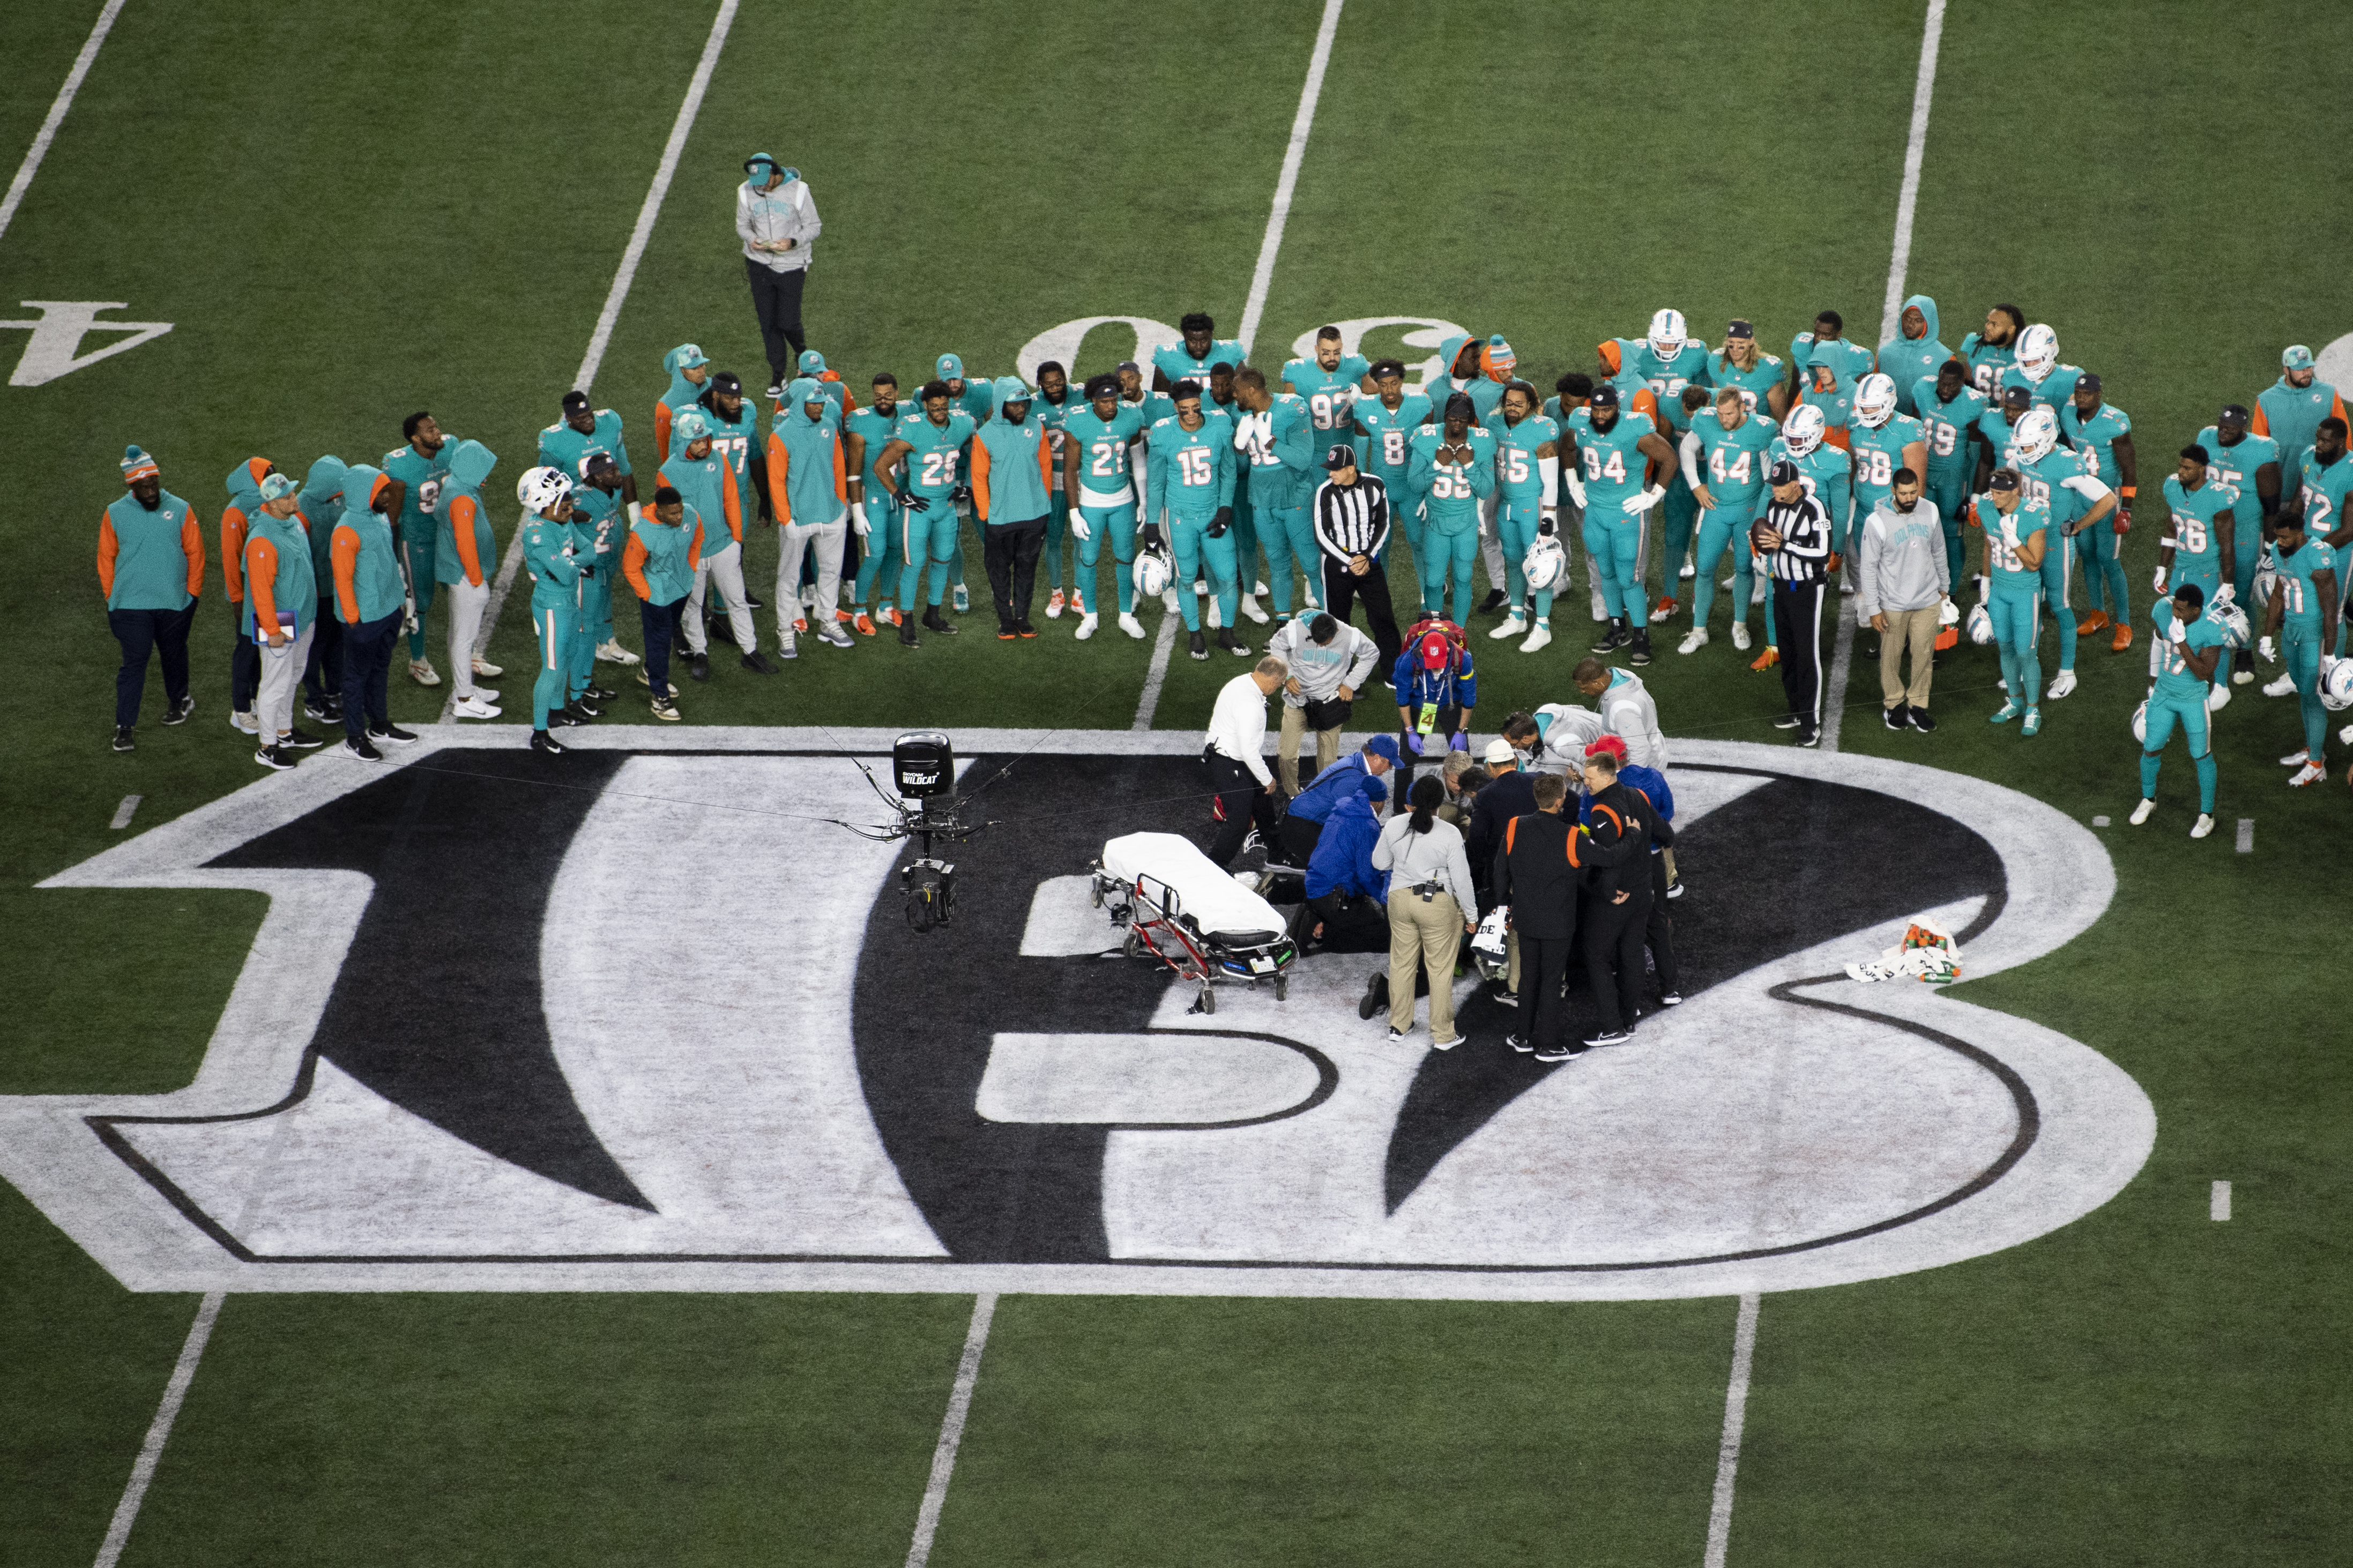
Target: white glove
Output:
[
  {"x": 2158, "y": 582},
  {"x": 858, "y": 523},
  {"x": 2263, "y": 647},
  {"x": 2223, "y": 594},
  {"x": 1577, "y": 492},
  {"x": 1079, "y": 529},
  {"x": 635, "y": 515},
  {"x": 2009, "y": 531},
  {"x": 1645, "y": 501}
]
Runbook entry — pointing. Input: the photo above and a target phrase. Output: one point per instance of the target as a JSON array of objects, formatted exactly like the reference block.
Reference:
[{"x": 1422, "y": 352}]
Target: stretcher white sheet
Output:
[{"x": 1214, "y": 899}]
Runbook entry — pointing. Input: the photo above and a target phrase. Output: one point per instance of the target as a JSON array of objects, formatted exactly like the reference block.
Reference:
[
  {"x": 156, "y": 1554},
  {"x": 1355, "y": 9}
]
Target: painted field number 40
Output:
[{"x": 58, "y": 330}]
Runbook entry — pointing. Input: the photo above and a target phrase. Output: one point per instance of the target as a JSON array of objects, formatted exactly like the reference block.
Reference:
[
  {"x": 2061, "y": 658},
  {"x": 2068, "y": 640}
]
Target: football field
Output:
[{"x": 2099, "y": 1312}]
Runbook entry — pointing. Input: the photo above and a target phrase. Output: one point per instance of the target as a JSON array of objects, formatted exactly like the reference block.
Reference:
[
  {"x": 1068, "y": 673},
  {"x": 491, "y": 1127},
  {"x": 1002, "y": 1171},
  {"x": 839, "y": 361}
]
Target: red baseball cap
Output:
[{"x": 1436, "y": 648}]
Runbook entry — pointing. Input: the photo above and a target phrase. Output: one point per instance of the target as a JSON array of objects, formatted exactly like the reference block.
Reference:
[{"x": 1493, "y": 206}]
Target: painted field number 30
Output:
[{"x": 57, "y": 333}]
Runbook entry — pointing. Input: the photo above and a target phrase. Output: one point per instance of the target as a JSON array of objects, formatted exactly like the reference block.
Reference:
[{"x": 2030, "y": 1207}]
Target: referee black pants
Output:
[
  {"x": 1798, "y": 632},
  {"x": 1343, "y": 588},
  {"x": 1244, "y": 802},
  {"x": 1613, "y": 954}
]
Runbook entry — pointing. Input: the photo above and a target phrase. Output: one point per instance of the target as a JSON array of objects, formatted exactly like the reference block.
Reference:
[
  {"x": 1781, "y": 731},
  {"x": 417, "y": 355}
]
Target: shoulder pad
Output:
[
  {"x": 551, "y": 429},
  {"x": 391, "y": 456},
  {"x": 604, "y": 414}
]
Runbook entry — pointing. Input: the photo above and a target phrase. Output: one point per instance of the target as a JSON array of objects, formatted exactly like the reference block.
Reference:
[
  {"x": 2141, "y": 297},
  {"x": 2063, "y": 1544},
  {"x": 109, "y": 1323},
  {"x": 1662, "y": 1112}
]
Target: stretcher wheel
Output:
[
  {"x": 1132, "y": 946},
  {"x": 1094, "y": 893},
  {"x": 1209, "y": 1000},
  {"x": 1282, "y": 988}
]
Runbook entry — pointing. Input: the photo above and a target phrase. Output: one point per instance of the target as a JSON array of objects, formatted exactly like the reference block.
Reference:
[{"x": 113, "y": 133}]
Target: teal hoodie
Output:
[
  {"x": 470, "y": 465},
  {"x": 376, "y": 568},
  {"x": 1012, "y": 488},
  {"x": 1906, "y": 360},
  {"x": 808, "y": 472},
  {"x": 321, "y": 499},
  {"x": 681, "y": 391}
]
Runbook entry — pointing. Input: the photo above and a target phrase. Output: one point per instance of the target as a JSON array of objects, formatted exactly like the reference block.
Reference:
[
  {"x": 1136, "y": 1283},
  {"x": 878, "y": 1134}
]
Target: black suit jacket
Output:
[
  {"x": 1537, "y": 867},
  {"x": 1505, "y": 797}
]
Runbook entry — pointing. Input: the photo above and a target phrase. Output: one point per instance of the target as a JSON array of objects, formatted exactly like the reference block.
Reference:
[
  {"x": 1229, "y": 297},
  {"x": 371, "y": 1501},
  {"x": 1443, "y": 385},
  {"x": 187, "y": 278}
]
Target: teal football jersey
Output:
[
  {"x": 1878, "y": 454},
  {"x": 423, "y": 476},
  {"x": 2292, "y": 415},
  {"x": 1752, "y": 383},
  {"x": 2046, "y": 482},
  {"x": 1945, "y": 427},
  {"x": 875, "y": 428},
  {"x": 1389, "y": 431},
  {"x": 2196, "y": 550},
  {"x": 933, "y": 465},
  {"x": 1454, "y": 491},
  {"x": 1987, "y": 362},
  {"x": 1171, "y": 361},
  {"x": 1328, "y": 393},
  {"x": 1999, "y": 434},
  {"x": 562, "y": 446},
  {"x": 2299, "y": 594},
  {"x": 1104, "y": 447},
  {"x": 1667, "y": 378},
  {"x": 2096, "y": 436},
  {"x": 1819, "y": 470},
  {"x": 1608, "y": 461},
  {"x": 2174, "y": 677},
  {"x": 2012, "y": 574},
  {"x": 2328, "y": 495},
  {"x": 1192, "y": 471},
  {"x": 2053, "y": 390},
  {"x": 1733, "y": 463},
  {"x": 2236, "y": 466},
  {"x": 1056, "y": 416},
  {"x": 1517, "y": 478}
]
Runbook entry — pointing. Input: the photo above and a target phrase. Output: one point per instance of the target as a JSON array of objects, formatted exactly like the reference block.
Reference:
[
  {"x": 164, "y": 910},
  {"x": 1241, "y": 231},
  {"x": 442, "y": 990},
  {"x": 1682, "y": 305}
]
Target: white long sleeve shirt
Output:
[
  {"x": 1628, "y": 713},
  {"x": 1238, "y": 726},
  {"x": 788, "y": 212},
  {"x": 1412, "y": 859}
]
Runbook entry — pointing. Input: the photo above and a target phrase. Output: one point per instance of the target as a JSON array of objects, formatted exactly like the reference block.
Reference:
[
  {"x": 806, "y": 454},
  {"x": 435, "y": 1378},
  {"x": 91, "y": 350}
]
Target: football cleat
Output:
[
  {"x": 1740, "y": 636},
  {"x": 1664, "y": 612},
  {"x": 1539, "y": 637},
  {"x": 2004, "y": 714},
  {"x": 421, "y": 671},
  {"x": 2140, "y": 813},
  {"x": 1086, "y": 625},
  {"x": 1054, "y": 606},
  {"x": 1693, "y": 641},
  {"x": 2094, "y": 622},
  {"x": 2310, "y": 774},
  {"x": 1250, "y": 608},
  {"x": 865, "y": 624},
  {"x": 2204, "y": 825},
  {"x": 1515, "y": 625},
  {"x": 1132, "y": 626},
  {"x": 1767, "y": 659},
  {"x": 2218, "y": 696},
  {"x": 2061, "y": 685},
  {"x": 2296, "y": 758},
  {"x": 2033, "y": 725},
  {"x": 2122, "y": 640}
]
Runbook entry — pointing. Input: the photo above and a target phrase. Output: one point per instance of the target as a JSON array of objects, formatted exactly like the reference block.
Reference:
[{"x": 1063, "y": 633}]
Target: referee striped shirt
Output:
[
  {"x": 1352, "y": 520},
  {"x": 1804, "y": 526}
]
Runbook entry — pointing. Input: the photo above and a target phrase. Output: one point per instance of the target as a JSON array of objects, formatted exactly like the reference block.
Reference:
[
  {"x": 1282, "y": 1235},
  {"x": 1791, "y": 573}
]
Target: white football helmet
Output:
[
  {"x": 1547, "y": 564},
  {"x": 542, "y": 489},
  {"x": 2036, "y": 433},
  {"x": 2140, "y": 723},
  {"x": 1154, "y": 571},
  {"x": 1948, "y": 613},
  {"x": 1875, "y": 399},
  {"x": 1804, "y": 429},
  {"x": 1980, "y": 625},
  {"x": 2233, "y": 622},
  {"x": 2038, "y": 351},
  {"x": 1667, "y": 334},
  {"x": 2336, "y": 686}
]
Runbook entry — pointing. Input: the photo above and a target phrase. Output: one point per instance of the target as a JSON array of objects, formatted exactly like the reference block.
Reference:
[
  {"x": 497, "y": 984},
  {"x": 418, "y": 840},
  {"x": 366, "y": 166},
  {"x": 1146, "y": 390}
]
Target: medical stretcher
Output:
[{"x": 1180, "y": 909}]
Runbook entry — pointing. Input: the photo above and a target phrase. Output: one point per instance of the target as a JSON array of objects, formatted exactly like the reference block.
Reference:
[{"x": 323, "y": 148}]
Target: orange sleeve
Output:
[
  {"x": 780, "y": 463},
  {"x": 2261, "y": 425},
  {"x": 192, "y": 545},
  {"x": 1045, "y": 464},
  {"x": 108, "y": 547},
  {"x": 841, "y": 469},
  {"x": 661, "y": 429},
  {"x": 2339, "y": 403},
  {"x": 633, "y": 567},
  {"x": 697, "y": 554},
  {"x": 260, "y": 580},
  {"x": 980, "y": 480},
  {"x": 731, "y": 502},
  {"x": 462, "y": 512},
  {"x": 233, "y": 552},
  {"x": 346, "y": 554}
]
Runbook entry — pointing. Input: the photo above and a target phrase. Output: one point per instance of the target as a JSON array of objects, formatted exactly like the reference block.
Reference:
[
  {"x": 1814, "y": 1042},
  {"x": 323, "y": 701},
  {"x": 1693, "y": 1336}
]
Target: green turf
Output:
[{"x": 349, "y": 223}]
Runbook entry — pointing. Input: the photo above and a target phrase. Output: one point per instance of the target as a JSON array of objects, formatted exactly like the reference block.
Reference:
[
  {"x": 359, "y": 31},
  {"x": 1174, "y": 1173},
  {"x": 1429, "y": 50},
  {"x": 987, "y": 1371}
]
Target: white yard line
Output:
[
  {"x": 159, "y": 1431},
  {"x": 935, "y": 1494},
  {"x": 48, "y": 131},
  {"x": 2246, "y": 836},
  {"x": 1262, "y": 278},
  {"x": 2218, "y": 1204},
  {"x": 594, "y": 359},
  {"x": 1907, "y": 200},
  {"x": 122, "y": 813},
  {"x": 1735, "y": 1418}
]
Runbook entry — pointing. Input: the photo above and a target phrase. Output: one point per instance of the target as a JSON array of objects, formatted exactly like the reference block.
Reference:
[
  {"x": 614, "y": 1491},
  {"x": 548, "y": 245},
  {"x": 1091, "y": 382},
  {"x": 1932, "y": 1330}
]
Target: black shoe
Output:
[
  {"x": 1788, "y": 721},
  {"x": 1920, "y": 720},
  {"x": 1810, "y": 736},
  {"x": 1226, "y": 640},
  {"x": 1898, "y": 717},
  {"x": 1494, "y": 601},
  {"x": 1671, "y": 998},
  {"x": 935, "y": 622},
  {"x": 564, "y": 718},
  {"x": 1872, "y": 653},
  {"x": 1005, "y": 632},
  {"x": 393, "y": 732},
  {"x": 177, "y": 712},
  {"x": 1520, "y": 1043},
  {"x": 1615, "y": 637},
  {"x": 1500, "y": 991},
  {"x": 320, "y": 712},
  {"x": 1022, "y": 627},
  {"x": 276, "y": 759},
  {"x": 541, "y": 740},
  {"x": 1198, "y": 646},
  {"x": 757, "y": 663},
  {"x": 358, "y": 747},
  {"x": 300, "y": 740},
  {"x": 584, "y": 709},
  {"x": 1611, "y": 1037},
  {"x": 752, "y": 601},
  {"x": 1561, "y": 1053},
  {"x": 907, "y": 638},
  {"x": 122, "y": 741},
  {"x": 1377, "y": 996},
  {"x": 1642, "y": 641},
  {"x": 600, "y": 694},
  {"x": 699, "y": 666}
]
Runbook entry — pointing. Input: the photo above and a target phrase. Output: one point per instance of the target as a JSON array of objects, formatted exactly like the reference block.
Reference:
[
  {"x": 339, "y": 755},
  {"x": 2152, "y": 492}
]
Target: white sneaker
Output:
[
  {"x": 789, "y": 644},
  {"x": 2345, "y": 736},
  {"x": 1214, "y": 622},
  {"x": 1740, "y": 636},
  {"x": 2296, "y": 758},
  {"x": 2218, "y": 696},
  {"x": 1600, "y": 611},
  {"x": 1132, "y": 626},
  {"x": 610, "y": 650},
  {"x": 1846, "y": 590},
  {"x": 1693, "y": 641},
  {"x": 1086, "y": 625},
  {"x": 1689, "y": 569},
  {"x": 244, "y": 724},
  {"x": 2204, "y": 825},
  {"x": 1250, "y": 608},
  {"x": 2140, "y": 813},
  {"x": 485, "y": 693},
  {"x": 421, "y": 671},
  {"x": 1759, "y": 589},
  {"x": 2063, "y": 684},
  {"x": 474, "y": 708},
  {"x": 834, "y": 633},
  {"x": 2280, "y": 688},
  {"x": 1261, "y": 587},
  {"x": 1054, "y": 606},
  {"x": 1513, "y": 624},
  {"x": 1539, "y": 635},
  {"x": 2310, "y": 774}
]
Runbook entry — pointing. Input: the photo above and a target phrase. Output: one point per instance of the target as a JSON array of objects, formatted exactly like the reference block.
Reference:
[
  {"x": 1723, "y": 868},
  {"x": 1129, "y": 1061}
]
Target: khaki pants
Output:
[
  {"x": 1430, "y": 932},
  {"x": 1918, "y": 628},
  {"x": 1286, "y": 749}
]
